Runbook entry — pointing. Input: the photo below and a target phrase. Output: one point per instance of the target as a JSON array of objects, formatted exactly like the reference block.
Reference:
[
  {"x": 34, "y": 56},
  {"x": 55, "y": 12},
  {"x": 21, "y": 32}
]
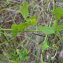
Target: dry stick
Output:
[
  {"x": 38, "y": 34},
  {"x": 14, "y": 1},
  {"x": 9, "y": 8}
]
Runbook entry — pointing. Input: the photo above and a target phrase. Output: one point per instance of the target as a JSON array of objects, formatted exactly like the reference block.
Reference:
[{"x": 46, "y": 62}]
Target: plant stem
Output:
[
  {"x": 22, "y": 30},
  {"x": 51, "y": 21},
  {"x": 53, "y": 5},
  {"x": 54, "y": 39},
  {"x": 42, "y": 57}
]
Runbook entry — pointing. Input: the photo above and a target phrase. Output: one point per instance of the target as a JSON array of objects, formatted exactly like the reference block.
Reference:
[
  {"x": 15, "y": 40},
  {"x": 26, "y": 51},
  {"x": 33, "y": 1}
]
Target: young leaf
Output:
[
  {"x": 24, "y": 10},
  {"x": 44, "y": 46},
  {"x": 55, "y": 25},
  {"x": 21, "y": 26},
  {"x": 46, "y": 30},
  {"x": 58, "y": 12},
  {"x": 31, "y": 21}
]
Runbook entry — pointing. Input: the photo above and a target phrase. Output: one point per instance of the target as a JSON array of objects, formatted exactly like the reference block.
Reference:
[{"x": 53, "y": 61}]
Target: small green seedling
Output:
[{"x": 29, "y": 21}]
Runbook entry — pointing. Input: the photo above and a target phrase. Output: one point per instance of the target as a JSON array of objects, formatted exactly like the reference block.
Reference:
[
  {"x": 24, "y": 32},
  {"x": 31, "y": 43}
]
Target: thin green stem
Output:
[
  {"x": 54, "y": 39},
  {"x": 10, "y": 7},
  {"x": 43, "y": 9},
  {"x": 15, "y": 17},
  {"x": 53, "y": 5},
  {"x": 22, "y": 30},
  {"x": 51, "y": 21},
  {"x": 32, "y": 2},
  {"x": 42, "y": 57}
]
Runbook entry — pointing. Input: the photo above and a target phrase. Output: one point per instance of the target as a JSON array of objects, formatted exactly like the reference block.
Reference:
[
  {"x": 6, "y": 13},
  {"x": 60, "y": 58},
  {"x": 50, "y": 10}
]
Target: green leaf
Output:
[
  {"x": 60, "y": 27},
  {"x": 10, "y": 56},
  {"x": 58, "y": 12},
  {"x": 52, "y": 11},
  {"x": 33, "y": 17},
  {"x": 14, "y": 26},
  {"x": 55, "y": 25},
  {"x": 31, "y": 22},
  {"x": 22, "y": 55},
  {"x": 14, "y": 31},
  {"x": 21, "y": 26},
  {"x": 46, "y": 30},
  {"x": 44, "y": 46},
  {"x": 24, "y": 10}
]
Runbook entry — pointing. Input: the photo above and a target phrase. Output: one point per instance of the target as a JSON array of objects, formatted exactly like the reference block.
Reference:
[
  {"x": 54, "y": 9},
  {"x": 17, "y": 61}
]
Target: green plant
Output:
[
  {"x": 54, "y": 29},
  {"x": 29, "y": 21}
]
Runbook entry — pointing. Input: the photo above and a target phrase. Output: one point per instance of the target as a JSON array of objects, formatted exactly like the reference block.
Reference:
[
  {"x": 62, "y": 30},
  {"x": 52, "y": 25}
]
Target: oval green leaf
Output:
[
  {"x": 24, "y": 10},
  {"x": 44, "y": 46},
  {"x": 46, "y": 30}
]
